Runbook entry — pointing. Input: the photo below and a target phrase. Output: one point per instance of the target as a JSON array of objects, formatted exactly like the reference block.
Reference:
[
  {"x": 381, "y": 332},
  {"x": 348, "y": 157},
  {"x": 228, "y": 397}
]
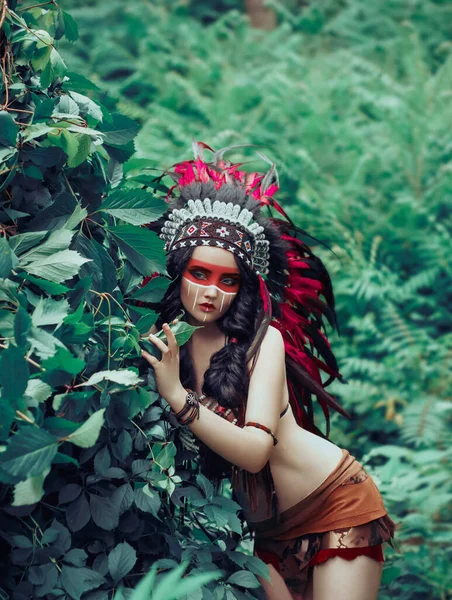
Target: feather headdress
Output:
[{"x": 297, "y": 293}]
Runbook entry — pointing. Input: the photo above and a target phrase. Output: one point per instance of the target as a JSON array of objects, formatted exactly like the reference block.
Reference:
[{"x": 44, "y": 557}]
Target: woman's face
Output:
[{"x": 209, "y": 284}]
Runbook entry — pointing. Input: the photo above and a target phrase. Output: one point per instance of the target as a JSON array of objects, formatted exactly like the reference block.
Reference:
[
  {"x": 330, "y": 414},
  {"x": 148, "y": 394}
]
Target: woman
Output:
[{"x": 243, "y": 387}]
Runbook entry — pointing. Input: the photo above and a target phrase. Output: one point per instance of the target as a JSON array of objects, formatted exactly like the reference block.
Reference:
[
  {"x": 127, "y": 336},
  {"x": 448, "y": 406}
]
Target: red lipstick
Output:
[{"x": 207, "y": 307}]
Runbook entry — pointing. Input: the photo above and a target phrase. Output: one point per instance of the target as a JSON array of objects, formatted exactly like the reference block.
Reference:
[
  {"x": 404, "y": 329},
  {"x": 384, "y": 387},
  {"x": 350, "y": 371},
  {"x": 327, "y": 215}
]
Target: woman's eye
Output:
[
  {"x": 198, "y": 274},
  {"x": 229, "y": 281}
]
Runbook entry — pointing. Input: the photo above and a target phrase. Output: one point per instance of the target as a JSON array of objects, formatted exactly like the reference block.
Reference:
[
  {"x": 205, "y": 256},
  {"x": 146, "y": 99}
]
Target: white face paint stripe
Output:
[{"x": 207, "y": 286}]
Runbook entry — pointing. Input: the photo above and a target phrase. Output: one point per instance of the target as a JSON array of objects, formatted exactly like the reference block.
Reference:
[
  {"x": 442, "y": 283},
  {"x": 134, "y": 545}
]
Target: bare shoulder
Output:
[
  {"x": 273, "y": 340},
  {"x": 272, "y": 347}
]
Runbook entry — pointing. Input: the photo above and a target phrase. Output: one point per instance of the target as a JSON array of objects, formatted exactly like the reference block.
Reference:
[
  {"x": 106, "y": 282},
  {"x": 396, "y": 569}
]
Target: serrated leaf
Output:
[
  {"x": 76, "y": 581},
  {"x": 24, "y": 241},
  {"x": 50, "y": 312},
  {"x": 83, "y": 150},
  {"x": 137, "y": 207},
  {"x": 122, "y": 376},
  {"x": 244, "y": 579},
  {"x": 55, "y": 289},
  {"x": 8, "y": 129},
  {"x": 142, "y": 247},
  {"x": 59, "y": 267},
  {"x": 6, "y": 258},
  {"x": 104, "y": 512},
  {"x": 78, "y": 513},
  {"x": 147, "y": 500},
  {"x": 37, "y": 391},
  {"x": 87, "y": 106},
  {"x": 66, "y": 106},
  {"x": 86, "y": 435},
  {"x": 69, "y": 493},
  {"x": 14, "y": 373},
  {"x": 102, "y": 268},
  {"x": 70, "y": 27},
  {"x": 153, "y": 291},
  {"x": 29, "y": 452},
  {"x": 76, "y": 557},
  {"x": 57, "y": 241},
  {"x": 31, "y": 490},
  {"x": 22, "y": 325},
  {"x": 121, "y": 561},
  {"x": 120, "y": 130}
]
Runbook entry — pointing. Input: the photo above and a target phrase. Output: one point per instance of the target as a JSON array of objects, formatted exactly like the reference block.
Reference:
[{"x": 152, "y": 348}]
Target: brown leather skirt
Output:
[{"x": 345, "y": 516}]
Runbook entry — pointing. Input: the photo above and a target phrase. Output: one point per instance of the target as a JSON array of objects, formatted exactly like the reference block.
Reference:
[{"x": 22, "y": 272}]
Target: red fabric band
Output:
[
  {"x": 375, "y": 552},
  {"x": 233, "y": 341}
]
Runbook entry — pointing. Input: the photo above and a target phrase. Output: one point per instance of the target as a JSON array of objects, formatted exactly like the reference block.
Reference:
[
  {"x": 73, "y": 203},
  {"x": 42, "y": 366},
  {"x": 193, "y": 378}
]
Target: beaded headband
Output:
[{"x": 222, "y": 225}]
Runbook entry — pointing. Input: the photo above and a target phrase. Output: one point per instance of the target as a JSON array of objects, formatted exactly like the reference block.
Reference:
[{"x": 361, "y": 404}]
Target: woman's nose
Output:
[{"x": 211, "y": 292}]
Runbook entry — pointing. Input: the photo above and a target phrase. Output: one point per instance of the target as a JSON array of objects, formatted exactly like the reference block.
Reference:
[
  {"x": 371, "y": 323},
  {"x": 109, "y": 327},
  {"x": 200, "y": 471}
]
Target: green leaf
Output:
[
  {"x": 65, "y": 140},
  {"x": 50, "y": 312},
  {"x": 22, "y": 325},
  {"x": 122, "y": 376},
  {"x": 153, "y": 291},
  {"x": 87, "y": 106},
  {"x": 8, "y": 129},
  {"x": 121, "y": 561},
  {"x": 57, "y": 240},
  {"x": 102, "y": 268},
  {"x": 44, "y": 344},
  {"x": 243, "y": 579},
  {"x": 24, "y": 241},
  {"x": 59, "y": 267},
  {"x": 80, "y": 83},
  {"x": 70, "y": 27},
  {"x": 7, "y": 416},
  {"x": 120, "y": 131},
  {"x": 37, "y": 391},
  {"x": 55, "y": 289},
  {"x": 137, "y": 207},
  {"x": 31, "y": 490},
  {"x": 77, "y": 581},
  {"x": 145, "y": 323},
  {"x": 104, "y": 512},
  {"x": 143, "y": 248},
  {"x": 86, "y": 435},
  {"x": 14, "y": 373},
  {"x": 6, "y": 258},
  {"x": 29, "y": 452},
  {"x": 182, "y": 332},
  {"x": 66, "y": 106},
  {"x": 147, "y": 500},
  {"x": 83, "y": 150}
]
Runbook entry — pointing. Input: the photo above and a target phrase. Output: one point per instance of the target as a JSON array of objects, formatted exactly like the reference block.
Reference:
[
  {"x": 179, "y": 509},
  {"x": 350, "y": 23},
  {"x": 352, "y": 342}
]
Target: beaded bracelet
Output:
[{"x": 263, "y": 428}]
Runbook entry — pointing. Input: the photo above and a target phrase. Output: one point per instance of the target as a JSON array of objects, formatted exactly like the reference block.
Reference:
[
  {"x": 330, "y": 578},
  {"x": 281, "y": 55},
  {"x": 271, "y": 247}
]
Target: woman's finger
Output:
[
  {"x": 151, "y": 359},
  {"x": 172, "y": 344},
  {"x": 159, "y": 343}
]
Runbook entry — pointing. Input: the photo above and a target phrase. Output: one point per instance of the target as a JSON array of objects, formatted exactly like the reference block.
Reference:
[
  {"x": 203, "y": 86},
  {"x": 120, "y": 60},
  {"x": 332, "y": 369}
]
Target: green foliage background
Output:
[{"x": 353, "y": 102}]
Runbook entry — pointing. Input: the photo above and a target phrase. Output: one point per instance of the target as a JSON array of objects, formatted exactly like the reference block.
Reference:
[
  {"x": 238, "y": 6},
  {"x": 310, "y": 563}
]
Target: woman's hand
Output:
[{"x": 167, "y": 369}]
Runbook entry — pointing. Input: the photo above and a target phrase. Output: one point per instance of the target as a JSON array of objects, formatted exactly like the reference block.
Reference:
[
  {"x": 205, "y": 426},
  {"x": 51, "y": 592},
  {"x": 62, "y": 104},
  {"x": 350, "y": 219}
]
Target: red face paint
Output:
[{"x": 226, "y": 279}]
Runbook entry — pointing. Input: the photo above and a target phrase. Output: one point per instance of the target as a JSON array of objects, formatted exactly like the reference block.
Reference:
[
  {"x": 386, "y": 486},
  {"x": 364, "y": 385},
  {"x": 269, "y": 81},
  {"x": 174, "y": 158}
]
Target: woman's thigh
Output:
[{"x": 357, "y": 579}]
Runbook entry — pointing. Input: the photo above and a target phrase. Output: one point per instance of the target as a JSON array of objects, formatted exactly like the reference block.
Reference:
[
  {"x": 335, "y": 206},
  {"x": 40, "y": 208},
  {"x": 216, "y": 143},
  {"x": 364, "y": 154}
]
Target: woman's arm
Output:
[{"x": 248, "y": 448}]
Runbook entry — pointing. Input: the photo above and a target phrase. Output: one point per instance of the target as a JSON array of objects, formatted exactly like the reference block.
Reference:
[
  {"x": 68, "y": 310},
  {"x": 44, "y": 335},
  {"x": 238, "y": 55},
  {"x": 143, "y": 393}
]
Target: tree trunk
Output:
[{"x": 260, "y": 16}]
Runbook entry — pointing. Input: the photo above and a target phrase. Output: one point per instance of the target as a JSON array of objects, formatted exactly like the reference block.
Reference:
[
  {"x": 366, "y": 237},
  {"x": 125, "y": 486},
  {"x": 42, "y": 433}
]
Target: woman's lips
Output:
[{"x": 207, "y": 307}]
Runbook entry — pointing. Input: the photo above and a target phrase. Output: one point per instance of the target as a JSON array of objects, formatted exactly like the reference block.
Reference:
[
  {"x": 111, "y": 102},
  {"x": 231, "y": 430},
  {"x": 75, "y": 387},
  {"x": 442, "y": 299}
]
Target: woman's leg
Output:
[{"x": 357, "y": 579}]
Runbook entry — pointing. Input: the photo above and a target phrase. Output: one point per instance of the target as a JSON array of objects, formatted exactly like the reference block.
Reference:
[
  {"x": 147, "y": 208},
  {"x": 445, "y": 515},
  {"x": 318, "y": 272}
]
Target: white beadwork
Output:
[{"x": 221, "y": 211}]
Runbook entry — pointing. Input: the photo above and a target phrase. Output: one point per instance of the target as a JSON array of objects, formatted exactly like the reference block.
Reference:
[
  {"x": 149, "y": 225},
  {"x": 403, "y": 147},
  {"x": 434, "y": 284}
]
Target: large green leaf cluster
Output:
[
  {"x": 353, "y": 101},
  {"x": 92, "y": 490}
]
